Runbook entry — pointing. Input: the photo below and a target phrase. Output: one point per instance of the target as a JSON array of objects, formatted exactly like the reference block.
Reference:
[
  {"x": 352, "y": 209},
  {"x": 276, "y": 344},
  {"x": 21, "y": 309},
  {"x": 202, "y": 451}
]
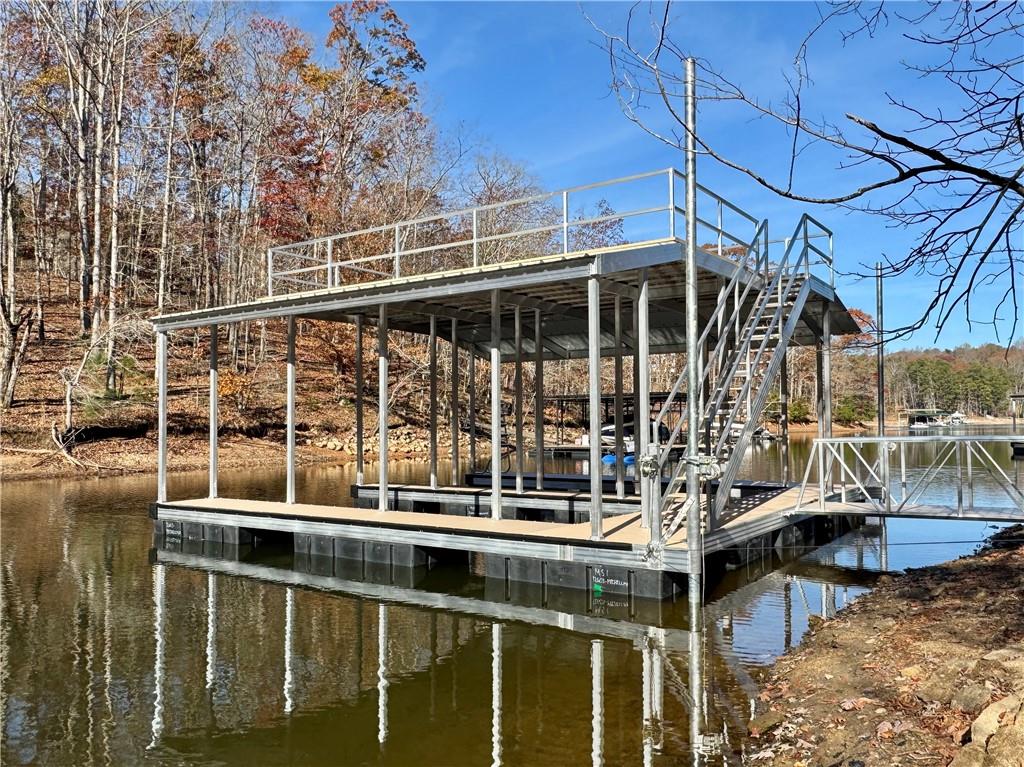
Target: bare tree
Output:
[{"x": 953, "y": 177}]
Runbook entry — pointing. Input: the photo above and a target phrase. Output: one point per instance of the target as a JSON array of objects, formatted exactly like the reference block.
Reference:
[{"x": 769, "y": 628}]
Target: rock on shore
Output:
[{"x": 928, "y": 669}]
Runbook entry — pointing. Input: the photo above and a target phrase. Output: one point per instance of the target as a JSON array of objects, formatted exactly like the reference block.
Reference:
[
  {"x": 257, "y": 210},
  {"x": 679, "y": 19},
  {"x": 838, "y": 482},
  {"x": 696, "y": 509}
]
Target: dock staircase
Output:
[{"x": 756, "y": 316}]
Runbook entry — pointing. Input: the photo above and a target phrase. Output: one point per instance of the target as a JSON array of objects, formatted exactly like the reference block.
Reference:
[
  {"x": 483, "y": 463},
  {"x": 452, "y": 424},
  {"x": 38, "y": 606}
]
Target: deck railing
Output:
[
  {"x": 962, "y": 479},
  {"x": 630, "y": 209}
]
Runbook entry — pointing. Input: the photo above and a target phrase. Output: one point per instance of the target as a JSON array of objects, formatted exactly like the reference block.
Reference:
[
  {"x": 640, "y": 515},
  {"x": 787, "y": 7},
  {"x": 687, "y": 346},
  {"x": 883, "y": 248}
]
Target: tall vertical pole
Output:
[
  {"x": 432, "y": 385},
  {"x": 642, "y": 409},
  {"x": 290, "y": 415},
  {"x": 161, "y": 410},
  {"x": 880, "y": 350},
  {"x": 360, "y": 459},
  {"x": 826, "y": 369},
  {"x": 824, "y": 391},
  {"x": 518, "y": 395},
  {"x": 471, "y": 404},
  {"x": 784, "y": 415},
  {"x": 635, "y": 325},
  {"x": 620, "y": 463},
  {"x": 495, "y": 405},
  {"x": 538, "y": 398},
  {"x": 594, "y": 344},
  {"x": 693, "y": 530},
  {"x": 453, "y": 405},
  {"x": 214, "y": 393},
  {"x": 382, "y": 406},
  {"x": 883, "y": 448}
]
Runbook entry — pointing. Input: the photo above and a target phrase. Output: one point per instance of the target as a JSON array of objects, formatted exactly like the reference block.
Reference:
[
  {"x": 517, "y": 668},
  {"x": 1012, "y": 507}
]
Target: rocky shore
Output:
[{"x": 927, "y": 669}]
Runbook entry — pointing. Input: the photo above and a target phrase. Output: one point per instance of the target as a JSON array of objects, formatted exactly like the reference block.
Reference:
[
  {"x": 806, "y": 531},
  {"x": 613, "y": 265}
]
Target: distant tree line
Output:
[{"x": 976, "y": 380}]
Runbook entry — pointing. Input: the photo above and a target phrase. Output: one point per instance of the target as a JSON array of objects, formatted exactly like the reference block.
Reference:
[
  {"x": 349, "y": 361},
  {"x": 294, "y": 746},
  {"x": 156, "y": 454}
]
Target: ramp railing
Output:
[
  {"x": 630, "y": 209},
  {"x": 958, "y": 477}
]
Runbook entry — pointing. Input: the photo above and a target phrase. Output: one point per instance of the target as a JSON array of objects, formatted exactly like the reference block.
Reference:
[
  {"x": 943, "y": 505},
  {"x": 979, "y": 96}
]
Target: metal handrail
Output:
[
  {"x": 782, "y": 284},
  {"x": 964, "y": 451},
  {"x": 560, "y": 221}
]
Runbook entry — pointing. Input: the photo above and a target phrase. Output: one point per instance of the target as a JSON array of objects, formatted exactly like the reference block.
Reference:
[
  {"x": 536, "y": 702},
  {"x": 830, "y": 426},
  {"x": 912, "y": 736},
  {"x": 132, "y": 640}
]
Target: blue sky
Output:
[{"x": 532, "y": 81}]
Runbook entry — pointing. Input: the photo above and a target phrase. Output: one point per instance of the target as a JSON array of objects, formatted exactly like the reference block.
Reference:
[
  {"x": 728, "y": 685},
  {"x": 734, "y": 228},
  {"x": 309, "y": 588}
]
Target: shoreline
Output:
[
  {"x": 124, "y": 456},
  {"x": 926, "y": 669}
]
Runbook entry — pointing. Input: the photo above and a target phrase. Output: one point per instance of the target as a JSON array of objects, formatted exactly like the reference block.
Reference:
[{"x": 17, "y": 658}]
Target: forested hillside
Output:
[{"x": 151, "y": 152}]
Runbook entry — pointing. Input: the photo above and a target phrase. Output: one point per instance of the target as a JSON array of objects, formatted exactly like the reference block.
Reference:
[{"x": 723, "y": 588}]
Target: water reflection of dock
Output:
[{"x": 401, "y": 648}]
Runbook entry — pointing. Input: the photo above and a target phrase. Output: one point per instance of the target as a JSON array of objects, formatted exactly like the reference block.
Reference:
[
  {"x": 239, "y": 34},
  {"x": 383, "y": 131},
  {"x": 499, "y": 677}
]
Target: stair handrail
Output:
[
  {"x": 757, "y": 247},
  {"x": 783, "y": 270},
  {"x": 776, "y": 319}
]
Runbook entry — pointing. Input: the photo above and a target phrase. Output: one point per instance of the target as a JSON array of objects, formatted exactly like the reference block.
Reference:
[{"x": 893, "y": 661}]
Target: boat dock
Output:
[{"x": 540, "y": 293}]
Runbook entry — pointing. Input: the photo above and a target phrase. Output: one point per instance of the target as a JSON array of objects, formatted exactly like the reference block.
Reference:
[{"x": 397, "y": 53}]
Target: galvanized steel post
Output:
[
  {"x": 161, "y": 409},
  {"x": 495, "y": 405},
  {"x": 432, "y": 384},
  {"x": 382, "y": 406},
  {"x": 359, "y": 400},
  {"x": 290, "y": 415},
  {"x": 214, "y": 393},
  {"x": 694, "y": 543},
  {"x": 594, "y": 352},
  {"x": 620, "y": 463},
  {"x": 538, "y": 398},
  {"x": 518, "y": 398},
  {"x": 453, "y": 405},
  {"x": 642, "y": 410}
]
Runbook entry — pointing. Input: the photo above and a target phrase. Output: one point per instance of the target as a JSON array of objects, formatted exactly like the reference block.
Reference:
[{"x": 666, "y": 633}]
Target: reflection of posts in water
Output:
[
  {"x": 382, "y": 673},
  {"x": 787, "y": 601},
  {"x": 289, "y": 628},
  {"x": 653, "y": 693},
  {"x": 211, "y": 628},
  {"x": 696, "y": 670},
  {"x": 495, "y": 694},
  {"x": 158, "y": 660},
  {"x": 883, "y": 546},
  {"x": 828, "y": 600},
  {"x": 597, "y": 702}
]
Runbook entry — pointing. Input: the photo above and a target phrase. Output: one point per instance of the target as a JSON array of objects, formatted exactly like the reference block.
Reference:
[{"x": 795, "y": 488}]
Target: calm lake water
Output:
[{"x": 114, "y": 653}]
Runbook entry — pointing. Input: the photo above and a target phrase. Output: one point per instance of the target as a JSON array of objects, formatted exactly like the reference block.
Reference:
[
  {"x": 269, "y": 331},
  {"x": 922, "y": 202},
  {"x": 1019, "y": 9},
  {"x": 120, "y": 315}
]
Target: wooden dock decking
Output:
[{"x": 624, "y": 541}]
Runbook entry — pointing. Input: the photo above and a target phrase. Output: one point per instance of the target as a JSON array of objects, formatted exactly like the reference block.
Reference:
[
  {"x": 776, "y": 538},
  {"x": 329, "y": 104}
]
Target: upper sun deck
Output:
[
  {"x": 541, "y": 248},
  {"x": 630, "y": 210}
]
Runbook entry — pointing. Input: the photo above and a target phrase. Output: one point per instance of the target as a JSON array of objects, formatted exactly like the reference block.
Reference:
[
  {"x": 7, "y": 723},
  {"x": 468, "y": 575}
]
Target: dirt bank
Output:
[{"x": 928, "y": 669}]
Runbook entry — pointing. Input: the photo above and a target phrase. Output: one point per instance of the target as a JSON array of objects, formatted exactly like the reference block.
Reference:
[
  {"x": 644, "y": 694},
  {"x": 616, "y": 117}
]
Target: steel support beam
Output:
[
  {"x": 161, "y": 409},
  {"x": 694, "y": 544},
  {"x": 382, "y": 405},
  {"x": 784, "y": 415},
  {"x": 453, "y": 404},
  {"x": 826, "y": 367},
  {"x": 471, "y": 406},
  {"x": 360, "y": 458},
  {"x": 594, "y": 341},
  {"x": 538, "y": 401},
  {"x": 432, "y": 405},
  {"x": 518, "y": 398},
  {"x": 214, "y": 395},
  {"x": 620, "y": 451},
  {"x": 290, "y": 414},
  {"x": 642, "y": 414},
  {"x": 880, "y": 351},
  {"x": 495, "y": 404}
]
